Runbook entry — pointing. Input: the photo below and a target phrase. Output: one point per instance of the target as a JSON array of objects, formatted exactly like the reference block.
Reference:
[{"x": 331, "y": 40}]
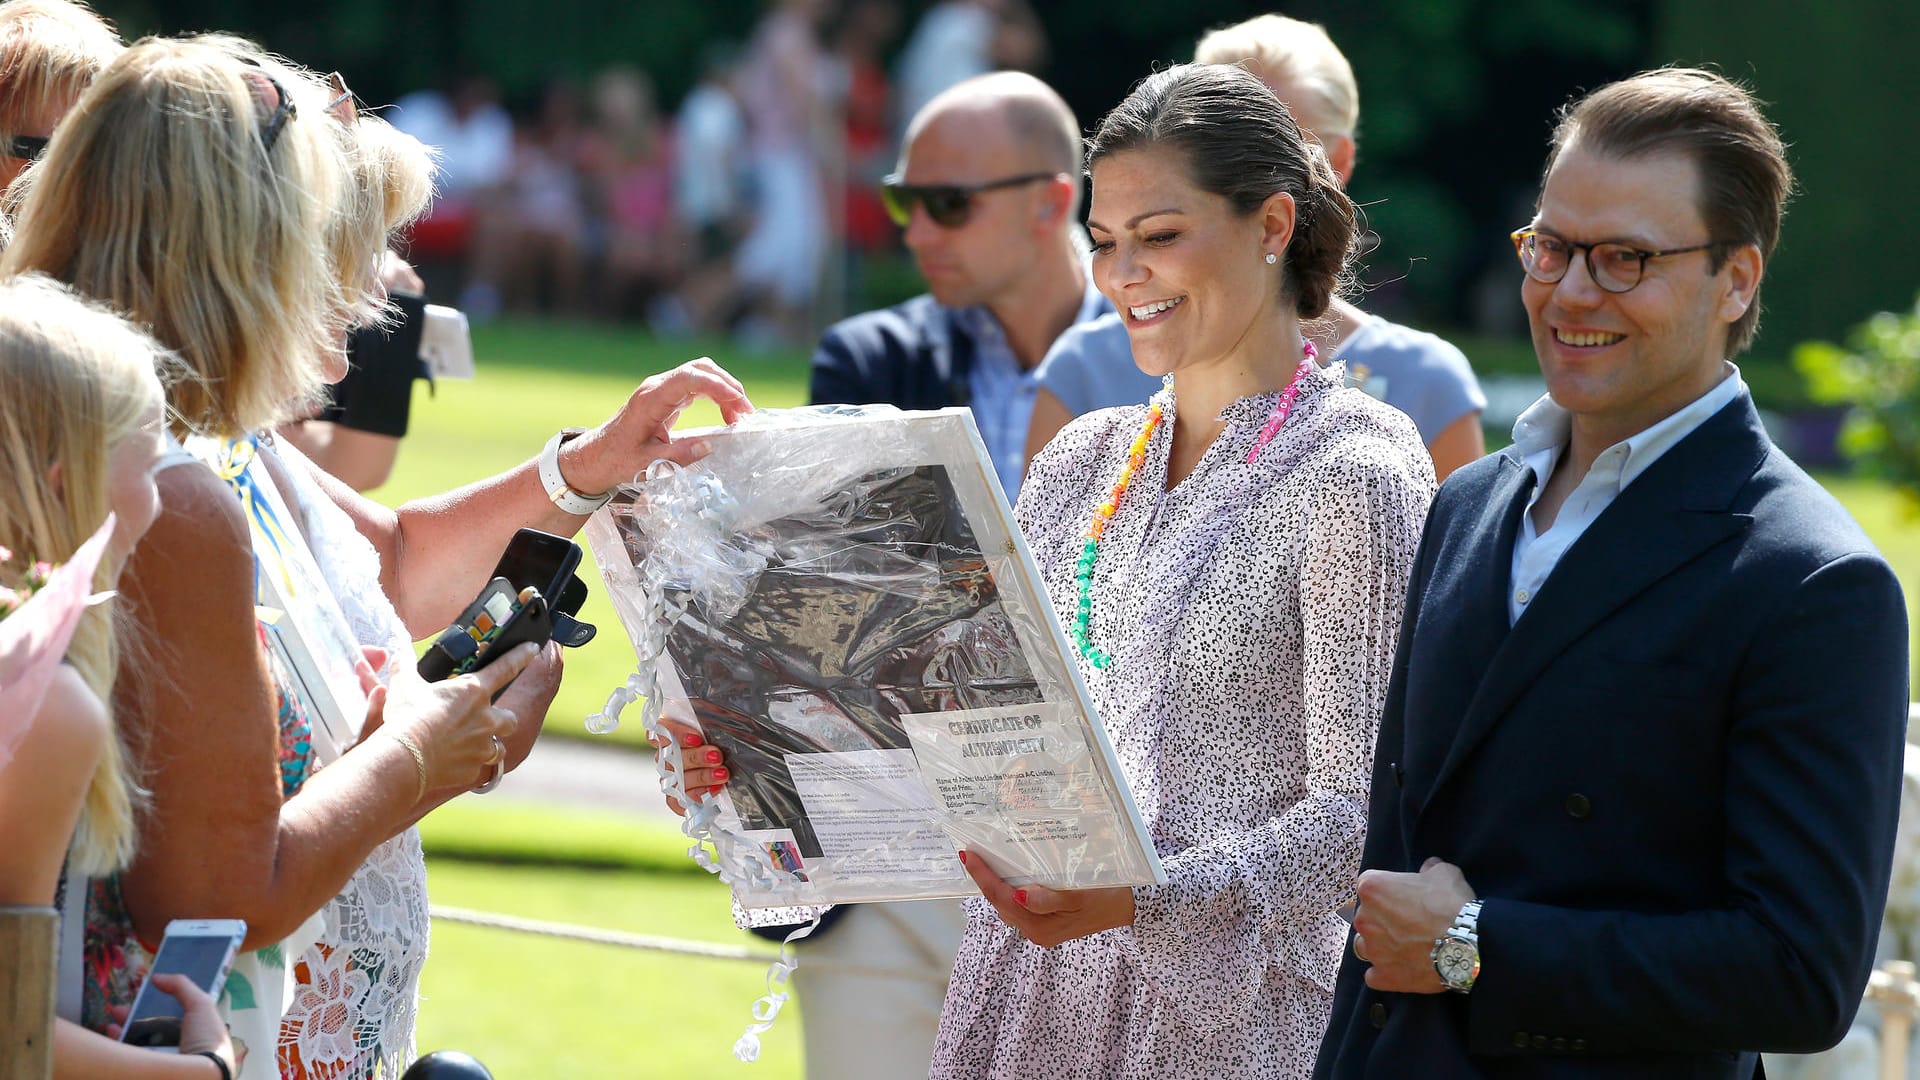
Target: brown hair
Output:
[
  {"x": 1241, "y": 143},
  {"x": 1745, "y": 180}
]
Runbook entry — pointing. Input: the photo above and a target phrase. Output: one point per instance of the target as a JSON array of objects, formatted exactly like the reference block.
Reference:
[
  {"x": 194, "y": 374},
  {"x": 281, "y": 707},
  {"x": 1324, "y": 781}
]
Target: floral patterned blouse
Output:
[{"x": 1251, "y": 613}]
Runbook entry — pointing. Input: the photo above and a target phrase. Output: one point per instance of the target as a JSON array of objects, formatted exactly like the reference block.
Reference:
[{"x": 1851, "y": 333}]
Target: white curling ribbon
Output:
[{"x": 685, "y": 515}]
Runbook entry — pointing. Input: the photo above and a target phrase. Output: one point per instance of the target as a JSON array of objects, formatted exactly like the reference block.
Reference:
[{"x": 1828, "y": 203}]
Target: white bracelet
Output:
[{"x": 557, "y": 488}]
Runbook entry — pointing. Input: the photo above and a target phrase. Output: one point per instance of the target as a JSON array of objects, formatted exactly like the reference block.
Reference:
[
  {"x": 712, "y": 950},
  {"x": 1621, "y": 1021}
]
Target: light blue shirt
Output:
[
  {"x": 1001, "y": 390},
  {"x": 1091, "y": 367},
  {"x": 1541, "y": 435}
]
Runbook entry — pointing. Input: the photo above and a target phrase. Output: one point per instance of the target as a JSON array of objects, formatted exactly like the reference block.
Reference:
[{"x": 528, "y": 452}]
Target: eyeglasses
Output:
[
  {"x": 27, "y": 147},
  {"x": 1615, "y": 267},
  {"x": 949, "y": 205},
  {"x": 341, "y": 106}
]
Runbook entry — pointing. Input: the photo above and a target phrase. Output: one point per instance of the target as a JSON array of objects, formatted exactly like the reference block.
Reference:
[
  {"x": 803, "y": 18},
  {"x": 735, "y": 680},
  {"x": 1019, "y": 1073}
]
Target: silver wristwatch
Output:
[{"x": 1456, "y": 954}]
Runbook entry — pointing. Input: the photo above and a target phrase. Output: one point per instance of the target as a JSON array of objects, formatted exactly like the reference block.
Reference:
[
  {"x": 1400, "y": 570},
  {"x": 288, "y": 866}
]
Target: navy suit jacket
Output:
[
  {"x": 1674, "y": 781},
  {"x": 910, "y": 355}
]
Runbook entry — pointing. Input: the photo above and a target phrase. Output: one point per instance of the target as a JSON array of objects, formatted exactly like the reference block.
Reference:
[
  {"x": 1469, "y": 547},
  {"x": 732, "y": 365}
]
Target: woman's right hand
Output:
[
  {"x": 706, "y": 766},
  {"x": 453, "y": 724}
]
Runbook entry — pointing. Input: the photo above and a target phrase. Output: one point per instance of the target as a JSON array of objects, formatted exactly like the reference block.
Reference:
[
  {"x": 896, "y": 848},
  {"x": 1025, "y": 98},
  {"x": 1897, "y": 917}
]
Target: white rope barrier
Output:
[{"x": 653, "y": 943}]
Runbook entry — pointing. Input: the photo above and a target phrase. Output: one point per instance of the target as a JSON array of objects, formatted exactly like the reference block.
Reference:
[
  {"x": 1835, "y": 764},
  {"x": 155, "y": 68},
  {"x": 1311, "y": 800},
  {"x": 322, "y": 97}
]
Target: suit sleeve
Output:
[
  {"x": 1812, "y": 781},
  {"x": 837, "y": 378},
  {"x": 1243, "y": 903}
]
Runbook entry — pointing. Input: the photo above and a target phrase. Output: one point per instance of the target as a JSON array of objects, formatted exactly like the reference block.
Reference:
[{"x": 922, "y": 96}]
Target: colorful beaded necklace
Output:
[{"x": 1082, "y": 628}]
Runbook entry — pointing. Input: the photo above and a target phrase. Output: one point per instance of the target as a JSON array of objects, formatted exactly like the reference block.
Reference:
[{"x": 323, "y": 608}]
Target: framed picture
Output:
[{"x": 850, "y": 614}]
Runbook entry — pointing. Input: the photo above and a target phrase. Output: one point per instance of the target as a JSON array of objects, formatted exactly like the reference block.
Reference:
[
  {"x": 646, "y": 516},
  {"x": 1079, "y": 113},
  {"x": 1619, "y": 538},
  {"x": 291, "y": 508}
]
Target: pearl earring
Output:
[{"x": 1272, "y": 258}]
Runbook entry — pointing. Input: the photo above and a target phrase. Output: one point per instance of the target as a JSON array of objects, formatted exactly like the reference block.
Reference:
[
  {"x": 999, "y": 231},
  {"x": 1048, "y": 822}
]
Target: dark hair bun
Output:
[{"x": 1241, "y": 143}]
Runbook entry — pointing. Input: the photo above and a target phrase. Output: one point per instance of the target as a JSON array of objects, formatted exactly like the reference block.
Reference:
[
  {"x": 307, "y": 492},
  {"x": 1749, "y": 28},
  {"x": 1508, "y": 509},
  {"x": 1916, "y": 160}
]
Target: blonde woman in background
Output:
[
  {"x": 1413, "y": 371},
  {"x": 81, "y": 426},
  {"x": 50, "y": 51}
]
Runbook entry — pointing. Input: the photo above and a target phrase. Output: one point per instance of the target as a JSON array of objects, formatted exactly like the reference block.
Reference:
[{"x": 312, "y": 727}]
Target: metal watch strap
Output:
[
  {"x": 556, "y": 486},
  {"x": 1468, "y": 921}
]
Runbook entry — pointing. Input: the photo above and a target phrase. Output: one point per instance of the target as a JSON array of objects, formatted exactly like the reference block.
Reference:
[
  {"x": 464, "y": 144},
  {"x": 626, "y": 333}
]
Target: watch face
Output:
[{"x": 1455, "y": 961}]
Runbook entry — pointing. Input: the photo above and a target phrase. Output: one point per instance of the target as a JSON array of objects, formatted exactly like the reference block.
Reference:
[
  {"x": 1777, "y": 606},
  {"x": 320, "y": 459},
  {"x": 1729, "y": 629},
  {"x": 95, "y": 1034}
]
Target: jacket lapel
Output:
[
  {"x": 1463, "y": 619},
  {"x": 1673, "y": 513}
]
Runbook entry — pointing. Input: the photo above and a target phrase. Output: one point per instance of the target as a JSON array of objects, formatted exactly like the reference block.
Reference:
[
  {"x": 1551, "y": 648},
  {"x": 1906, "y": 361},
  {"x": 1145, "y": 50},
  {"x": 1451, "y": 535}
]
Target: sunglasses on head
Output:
[
  {"x": 949, "y": 205},
  {"x": 27, "y": 147}
]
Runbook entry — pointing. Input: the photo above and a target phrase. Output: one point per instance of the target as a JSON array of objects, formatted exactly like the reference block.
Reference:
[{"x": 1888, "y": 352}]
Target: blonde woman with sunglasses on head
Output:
[
  {"x": 233, "y": 237},
  {"x": 220, "y": 203}
]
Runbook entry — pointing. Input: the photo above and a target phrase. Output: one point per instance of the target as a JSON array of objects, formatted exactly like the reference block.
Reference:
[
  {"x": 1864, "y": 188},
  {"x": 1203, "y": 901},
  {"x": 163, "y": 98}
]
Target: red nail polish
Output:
[
  {"x": 719, "y": 774},
  {"x": 1020, "y": 897},
  {"x": 689, "y": 739},
  {"x": 713, "y": 757},
  {"x": 963, "y": 858},
  {"x": 716, "y": 789}
]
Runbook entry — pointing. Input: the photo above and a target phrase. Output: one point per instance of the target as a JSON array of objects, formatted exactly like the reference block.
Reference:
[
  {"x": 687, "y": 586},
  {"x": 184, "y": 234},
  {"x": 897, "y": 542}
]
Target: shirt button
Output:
[
  {"x": 1579, "y": 806},
  {"x": 1522, "y": 596},
  {"x": 1378, "y": 1014}
]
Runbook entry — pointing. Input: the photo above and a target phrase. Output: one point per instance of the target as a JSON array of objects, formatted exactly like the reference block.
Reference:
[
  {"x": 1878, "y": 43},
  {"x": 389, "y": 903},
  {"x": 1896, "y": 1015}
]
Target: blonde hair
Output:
[
  {"x": 76, "y": 380},
  {"x": 1299, "y": 54},
  {"x": 162, "y": 197},
  {"x": 386, "y": 181},
  {"x": 50, "y": 51}
]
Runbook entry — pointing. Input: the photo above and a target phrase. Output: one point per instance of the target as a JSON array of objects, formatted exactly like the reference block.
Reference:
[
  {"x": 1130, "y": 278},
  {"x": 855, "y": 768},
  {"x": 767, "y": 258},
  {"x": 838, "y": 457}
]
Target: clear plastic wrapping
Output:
[{"x": 837, "y": 598}]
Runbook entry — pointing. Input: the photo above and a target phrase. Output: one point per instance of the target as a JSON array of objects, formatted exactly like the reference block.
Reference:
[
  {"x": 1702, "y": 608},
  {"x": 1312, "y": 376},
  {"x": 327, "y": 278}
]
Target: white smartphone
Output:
[{"x": 200, "y": 949}]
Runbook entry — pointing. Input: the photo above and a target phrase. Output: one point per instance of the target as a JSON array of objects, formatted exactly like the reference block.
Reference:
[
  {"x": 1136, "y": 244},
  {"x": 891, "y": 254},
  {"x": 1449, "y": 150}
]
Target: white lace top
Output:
[
  {"x": 1252, "y": 614},
  {"x": 356, "y": 996}
]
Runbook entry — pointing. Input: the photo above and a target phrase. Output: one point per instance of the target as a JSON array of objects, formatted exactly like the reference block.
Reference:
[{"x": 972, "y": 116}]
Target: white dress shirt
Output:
[{"x": 1541, "y": 435}]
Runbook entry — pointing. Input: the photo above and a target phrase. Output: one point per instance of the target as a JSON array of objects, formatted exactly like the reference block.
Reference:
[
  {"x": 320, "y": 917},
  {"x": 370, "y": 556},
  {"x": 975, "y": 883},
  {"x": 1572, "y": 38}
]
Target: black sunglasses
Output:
[
  {"x": 949, "y": 205},
  {"x": 284, "y": 111},
  {"x": 27, "y": 147}
]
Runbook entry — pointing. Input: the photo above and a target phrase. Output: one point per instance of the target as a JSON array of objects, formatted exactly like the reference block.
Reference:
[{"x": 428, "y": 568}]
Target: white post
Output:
[{"x": 1894, "y": 991}]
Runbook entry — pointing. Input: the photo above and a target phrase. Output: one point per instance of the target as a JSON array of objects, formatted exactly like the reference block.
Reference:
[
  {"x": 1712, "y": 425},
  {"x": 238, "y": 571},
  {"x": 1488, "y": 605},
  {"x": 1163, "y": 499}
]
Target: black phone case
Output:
[{"x": 533, "y": 622}]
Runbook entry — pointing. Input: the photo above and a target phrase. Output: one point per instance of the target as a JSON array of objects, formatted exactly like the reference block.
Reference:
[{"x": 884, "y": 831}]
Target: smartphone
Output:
[
  {"x": 542, "y": 560},
  {"x": 501, "y": 617},
  {"x": 200, "y": 949}
]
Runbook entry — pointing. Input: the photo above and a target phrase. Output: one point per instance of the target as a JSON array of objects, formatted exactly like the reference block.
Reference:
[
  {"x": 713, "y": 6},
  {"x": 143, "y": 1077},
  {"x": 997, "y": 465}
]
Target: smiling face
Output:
[
  {"x": 1621, "y": 362},
  {"x": 1188, "y": 275}
]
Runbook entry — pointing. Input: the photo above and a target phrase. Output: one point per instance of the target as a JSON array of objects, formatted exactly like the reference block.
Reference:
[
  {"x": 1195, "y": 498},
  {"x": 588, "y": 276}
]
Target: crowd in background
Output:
[{"x": 750, "y": 210}]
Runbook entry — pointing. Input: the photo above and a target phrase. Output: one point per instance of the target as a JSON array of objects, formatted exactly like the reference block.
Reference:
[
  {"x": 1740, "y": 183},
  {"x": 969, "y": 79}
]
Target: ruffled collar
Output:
[{"x": 1255, "y": 408}]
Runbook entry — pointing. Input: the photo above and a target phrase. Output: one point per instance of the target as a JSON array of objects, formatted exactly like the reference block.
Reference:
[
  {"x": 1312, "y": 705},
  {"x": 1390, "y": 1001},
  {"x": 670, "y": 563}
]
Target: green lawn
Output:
[{"x": 538, "y": 1007}]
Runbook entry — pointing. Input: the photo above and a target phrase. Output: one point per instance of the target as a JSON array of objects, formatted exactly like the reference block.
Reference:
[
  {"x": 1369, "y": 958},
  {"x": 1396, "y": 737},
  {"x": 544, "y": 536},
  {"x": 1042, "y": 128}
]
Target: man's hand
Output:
[
  {"x": 1046, "y": 917},
  {"x": 642, "y": 431},
  {"x": 1399, "y": 918}
]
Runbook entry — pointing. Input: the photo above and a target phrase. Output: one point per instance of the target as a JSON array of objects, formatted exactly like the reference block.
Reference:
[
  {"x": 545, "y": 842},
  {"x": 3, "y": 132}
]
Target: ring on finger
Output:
[
  {"x": 499, "y": 763},
  {"x": 1357, "y": 954}
]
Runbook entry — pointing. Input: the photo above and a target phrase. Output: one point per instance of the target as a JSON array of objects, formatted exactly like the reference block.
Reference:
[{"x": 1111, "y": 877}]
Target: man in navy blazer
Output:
[
  {"x": 988, "y": 196},
  {"x": 1636, "y": 784}
]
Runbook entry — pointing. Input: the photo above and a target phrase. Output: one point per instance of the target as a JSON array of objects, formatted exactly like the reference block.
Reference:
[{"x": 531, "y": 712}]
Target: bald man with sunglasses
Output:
[{"x": 988, "y": 196}]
